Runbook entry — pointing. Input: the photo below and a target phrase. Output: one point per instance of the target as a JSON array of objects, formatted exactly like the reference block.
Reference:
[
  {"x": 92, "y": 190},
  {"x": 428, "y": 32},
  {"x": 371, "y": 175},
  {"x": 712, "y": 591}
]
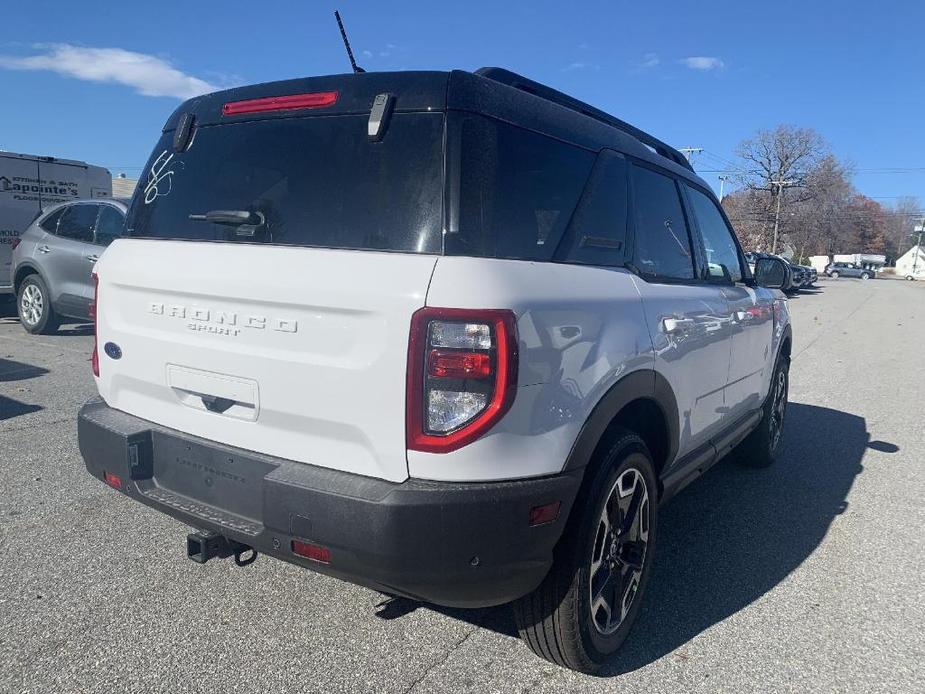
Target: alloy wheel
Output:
[
  {"x": 619, "y": 551},
  {"x": 778, "y": 408},
  {"x": 31, "y": 305}
]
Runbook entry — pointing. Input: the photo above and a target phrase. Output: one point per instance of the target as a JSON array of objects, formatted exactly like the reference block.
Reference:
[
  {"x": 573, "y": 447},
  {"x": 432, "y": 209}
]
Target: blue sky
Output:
[{"x": 692, "y": 73}]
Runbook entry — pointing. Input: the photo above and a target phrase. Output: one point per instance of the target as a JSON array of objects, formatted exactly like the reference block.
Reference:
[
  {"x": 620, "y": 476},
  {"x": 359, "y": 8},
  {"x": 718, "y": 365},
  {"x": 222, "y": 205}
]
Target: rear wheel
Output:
[
  {"x": 760, "y": 447},
  {"x": 865, "y": 275},
  {"x": 34, "y": 307},
  {"x": 909, "y": 278},
  {"x": 582, "y": 612},
  {"x": 834, "y": 274}
]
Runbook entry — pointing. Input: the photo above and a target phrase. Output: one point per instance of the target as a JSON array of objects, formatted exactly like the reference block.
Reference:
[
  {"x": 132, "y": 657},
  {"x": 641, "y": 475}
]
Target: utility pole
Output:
[
  {"x": 781, "y": 184},
  {"x": 918, "y": 229},
  {"x": 690, "y": 152},
  {"x": 722, "y": 182}
]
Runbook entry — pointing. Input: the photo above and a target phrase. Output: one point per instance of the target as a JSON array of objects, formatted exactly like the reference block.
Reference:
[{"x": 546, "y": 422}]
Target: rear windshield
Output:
[{"x": 315, "y": 181}]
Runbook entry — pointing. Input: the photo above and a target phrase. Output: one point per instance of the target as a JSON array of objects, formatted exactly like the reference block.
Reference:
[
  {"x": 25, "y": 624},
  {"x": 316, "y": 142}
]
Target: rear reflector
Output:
[
  {"x": 310, "y": 551},
  {"x": 280, "y": 103},
  {"x": 112, "y": 480},
  {"x": 546, "y": 513}
]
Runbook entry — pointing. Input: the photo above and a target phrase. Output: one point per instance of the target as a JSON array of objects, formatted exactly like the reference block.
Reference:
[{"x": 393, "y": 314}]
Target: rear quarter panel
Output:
[{"x": 581, "y": 329}]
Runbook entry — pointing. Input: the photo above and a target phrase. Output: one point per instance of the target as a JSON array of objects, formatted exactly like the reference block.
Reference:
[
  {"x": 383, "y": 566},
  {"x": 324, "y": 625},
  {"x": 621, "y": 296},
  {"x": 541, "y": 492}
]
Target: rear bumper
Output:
[{"x": 453, "y": 544}]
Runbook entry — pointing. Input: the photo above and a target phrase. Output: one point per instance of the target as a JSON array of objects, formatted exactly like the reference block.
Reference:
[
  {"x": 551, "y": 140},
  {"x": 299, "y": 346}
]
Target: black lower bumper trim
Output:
[{"x": 453, "y": 544}]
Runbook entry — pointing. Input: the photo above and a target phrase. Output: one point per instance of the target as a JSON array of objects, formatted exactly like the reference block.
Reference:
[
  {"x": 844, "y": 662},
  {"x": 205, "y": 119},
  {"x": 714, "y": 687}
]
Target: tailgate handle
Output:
[
  {"x": 218, "y": 393},
  {"x": 216, "y": 404}
]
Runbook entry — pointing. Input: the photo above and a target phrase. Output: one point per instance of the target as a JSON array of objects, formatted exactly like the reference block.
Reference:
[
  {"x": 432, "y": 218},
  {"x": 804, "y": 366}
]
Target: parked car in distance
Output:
[
  {"x": 804, "y": 275},
  {"x": 849, "y": 270},
  {"x": 54, "y": 257},
  {"x": 811, "y": 275},
  {"x": 453, "y": 336},
  {"x": 31, "y": 183}
]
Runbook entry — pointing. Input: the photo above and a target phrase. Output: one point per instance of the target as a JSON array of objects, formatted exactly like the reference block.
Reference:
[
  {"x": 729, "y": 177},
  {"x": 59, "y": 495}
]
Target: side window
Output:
[
  {"x": 50, "y": 223},
  {"x": 109, "y": 225},
  {"x": 517, "y": 191},
  {"x": 722, "y": 253},
  {"x": 77, "y": 222},
  {"x": 662, "y": 242},
  {"x": 597, "y": 232}
]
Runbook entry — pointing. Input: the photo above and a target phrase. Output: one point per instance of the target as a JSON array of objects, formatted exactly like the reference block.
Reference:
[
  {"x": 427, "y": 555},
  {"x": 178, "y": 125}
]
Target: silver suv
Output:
[{"x": 53, "y": 260}]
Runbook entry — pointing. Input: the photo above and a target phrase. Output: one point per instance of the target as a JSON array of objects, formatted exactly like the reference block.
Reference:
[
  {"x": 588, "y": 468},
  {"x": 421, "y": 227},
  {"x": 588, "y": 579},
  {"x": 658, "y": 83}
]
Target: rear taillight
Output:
[
  {"x": 462, "y": 375},
  {"x": 94, "y": 312}
]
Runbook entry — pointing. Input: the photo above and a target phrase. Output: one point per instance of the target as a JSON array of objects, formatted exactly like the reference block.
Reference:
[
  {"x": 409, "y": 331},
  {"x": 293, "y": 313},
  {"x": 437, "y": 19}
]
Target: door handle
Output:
[
  {"x": 92, "y": 257},
  {"x": 44, "y": 249},
  {"x": 673, "y": 326}
]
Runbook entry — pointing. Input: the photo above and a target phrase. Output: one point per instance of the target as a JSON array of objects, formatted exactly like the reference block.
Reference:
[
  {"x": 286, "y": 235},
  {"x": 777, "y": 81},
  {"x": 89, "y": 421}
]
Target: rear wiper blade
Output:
[
  {"x": 245, "y": 223},
  {"x": 230, "y": 217}
]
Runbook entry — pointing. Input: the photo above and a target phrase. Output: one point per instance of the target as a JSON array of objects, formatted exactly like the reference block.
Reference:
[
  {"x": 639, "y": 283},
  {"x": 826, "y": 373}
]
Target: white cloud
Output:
[
  {"x": 578, "y": 65},
  {"x": 649, "y": 60},
  {"x": 702, "y": 62},
  {"x": 367, "y": 54},
  {"x": 147, "y": 74}
]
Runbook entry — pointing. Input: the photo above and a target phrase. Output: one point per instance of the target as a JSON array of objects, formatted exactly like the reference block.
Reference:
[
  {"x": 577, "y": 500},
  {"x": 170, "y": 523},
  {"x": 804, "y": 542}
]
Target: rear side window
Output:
[
  {"x": 517, "y": 191},
  {"x": 662, "y": 241},
  {"x": 77, "y": 222},
  {"x": 597, "y": 232},
  {"x": 313, "y": 181},
  {"x": 50, "y": 223}
]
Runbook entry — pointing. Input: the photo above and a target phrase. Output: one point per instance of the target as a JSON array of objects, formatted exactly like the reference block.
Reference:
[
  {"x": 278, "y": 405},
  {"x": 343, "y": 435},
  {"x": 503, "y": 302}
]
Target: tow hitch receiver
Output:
[{"x": 203, "y": 546}]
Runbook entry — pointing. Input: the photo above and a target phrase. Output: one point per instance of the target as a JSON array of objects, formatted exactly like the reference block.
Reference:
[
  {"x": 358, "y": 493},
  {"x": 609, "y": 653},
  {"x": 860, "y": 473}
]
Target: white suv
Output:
[{"x": 451, "y": 336}]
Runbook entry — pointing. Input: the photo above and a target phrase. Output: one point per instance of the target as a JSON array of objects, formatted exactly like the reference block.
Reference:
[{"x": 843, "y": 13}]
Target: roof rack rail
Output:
[{"x": 512, "y": 79}]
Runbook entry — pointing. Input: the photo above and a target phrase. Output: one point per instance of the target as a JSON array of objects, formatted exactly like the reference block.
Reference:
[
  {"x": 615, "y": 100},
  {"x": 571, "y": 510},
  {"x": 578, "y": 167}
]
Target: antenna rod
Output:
[{"x": 343, "y": 34}]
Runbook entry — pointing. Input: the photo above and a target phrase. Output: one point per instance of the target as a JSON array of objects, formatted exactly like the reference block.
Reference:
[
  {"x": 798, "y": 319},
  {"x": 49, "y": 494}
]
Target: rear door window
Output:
[
  {"x": 662, "y": 242},
  {"x": 315, "y": 181},
  {"x": 517, "y": 190},
  {"x": 77, "y": 222}
]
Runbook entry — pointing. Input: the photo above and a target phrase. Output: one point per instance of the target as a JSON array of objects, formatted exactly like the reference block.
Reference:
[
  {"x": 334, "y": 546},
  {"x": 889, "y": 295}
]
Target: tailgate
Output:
[{"x": 293, "y": 352}]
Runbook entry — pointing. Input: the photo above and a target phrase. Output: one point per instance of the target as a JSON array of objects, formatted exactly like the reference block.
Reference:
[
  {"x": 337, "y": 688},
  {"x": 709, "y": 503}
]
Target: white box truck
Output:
[{"x": 29, "y": 183}]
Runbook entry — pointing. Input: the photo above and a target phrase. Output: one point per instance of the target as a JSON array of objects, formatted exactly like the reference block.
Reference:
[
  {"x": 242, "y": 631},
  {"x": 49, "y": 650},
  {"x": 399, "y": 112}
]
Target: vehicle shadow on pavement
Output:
[
  {"x": 733, "y": 535},
  {"x": 18, "y": 371},
  {"x": 10, "y": 408},
  {"x": 730, "y": 537}
]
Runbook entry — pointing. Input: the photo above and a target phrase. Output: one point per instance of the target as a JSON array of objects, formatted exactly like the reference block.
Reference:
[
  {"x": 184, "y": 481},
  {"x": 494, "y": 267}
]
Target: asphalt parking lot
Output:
[{"x": 807, "y": 576}]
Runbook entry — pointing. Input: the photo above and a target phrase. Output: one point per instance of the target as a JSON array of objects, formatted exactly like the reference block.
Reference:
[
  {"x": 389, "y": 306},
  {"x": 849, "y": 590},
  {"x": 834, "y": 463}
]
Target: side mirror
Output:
[{"x": 771, "y": 273}]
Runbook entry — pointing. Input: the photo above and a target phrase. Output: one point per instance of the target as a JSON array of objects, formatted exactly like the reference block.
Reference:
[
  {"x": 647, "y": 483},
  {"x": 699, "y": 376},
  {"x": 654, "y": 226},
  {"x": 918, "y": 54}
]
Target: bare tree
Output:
[
  {"x": 901, "y": 219},
  {"x": 784, "y": 153},
  {"x": 776, "y": 165}
]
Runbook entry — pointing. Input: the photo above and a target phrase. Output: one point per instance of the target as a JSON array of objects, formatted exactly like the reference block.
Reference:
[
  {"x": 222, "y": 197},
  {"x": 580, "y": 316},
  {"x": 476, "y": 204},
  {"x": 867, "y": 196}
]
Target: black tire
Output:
[
  {"x": 909, "y": 278},
  {"x": 834, "y": 274},
  {"x": 33, "y": 304},
  {"x": 760, "y": 447},
  {"x": 556, "y": 620},
  {"x": 865, "y": 275}
]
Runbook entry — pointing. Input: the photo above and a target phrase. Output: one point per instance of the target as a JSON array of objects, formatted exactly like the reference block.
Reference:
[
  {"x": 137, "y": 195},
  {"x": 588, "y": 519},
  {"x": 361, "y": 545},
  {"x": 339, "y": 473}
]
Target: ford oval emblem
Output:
[{"x": 113, "y": 351}]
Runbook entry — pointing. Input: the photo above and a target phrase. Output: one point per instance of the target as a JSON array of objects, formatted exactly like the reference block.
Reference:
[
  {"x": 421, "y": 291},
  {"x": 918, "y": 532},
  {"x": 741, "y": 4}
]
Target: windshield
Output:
[{"x": 312, "y": 181}]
